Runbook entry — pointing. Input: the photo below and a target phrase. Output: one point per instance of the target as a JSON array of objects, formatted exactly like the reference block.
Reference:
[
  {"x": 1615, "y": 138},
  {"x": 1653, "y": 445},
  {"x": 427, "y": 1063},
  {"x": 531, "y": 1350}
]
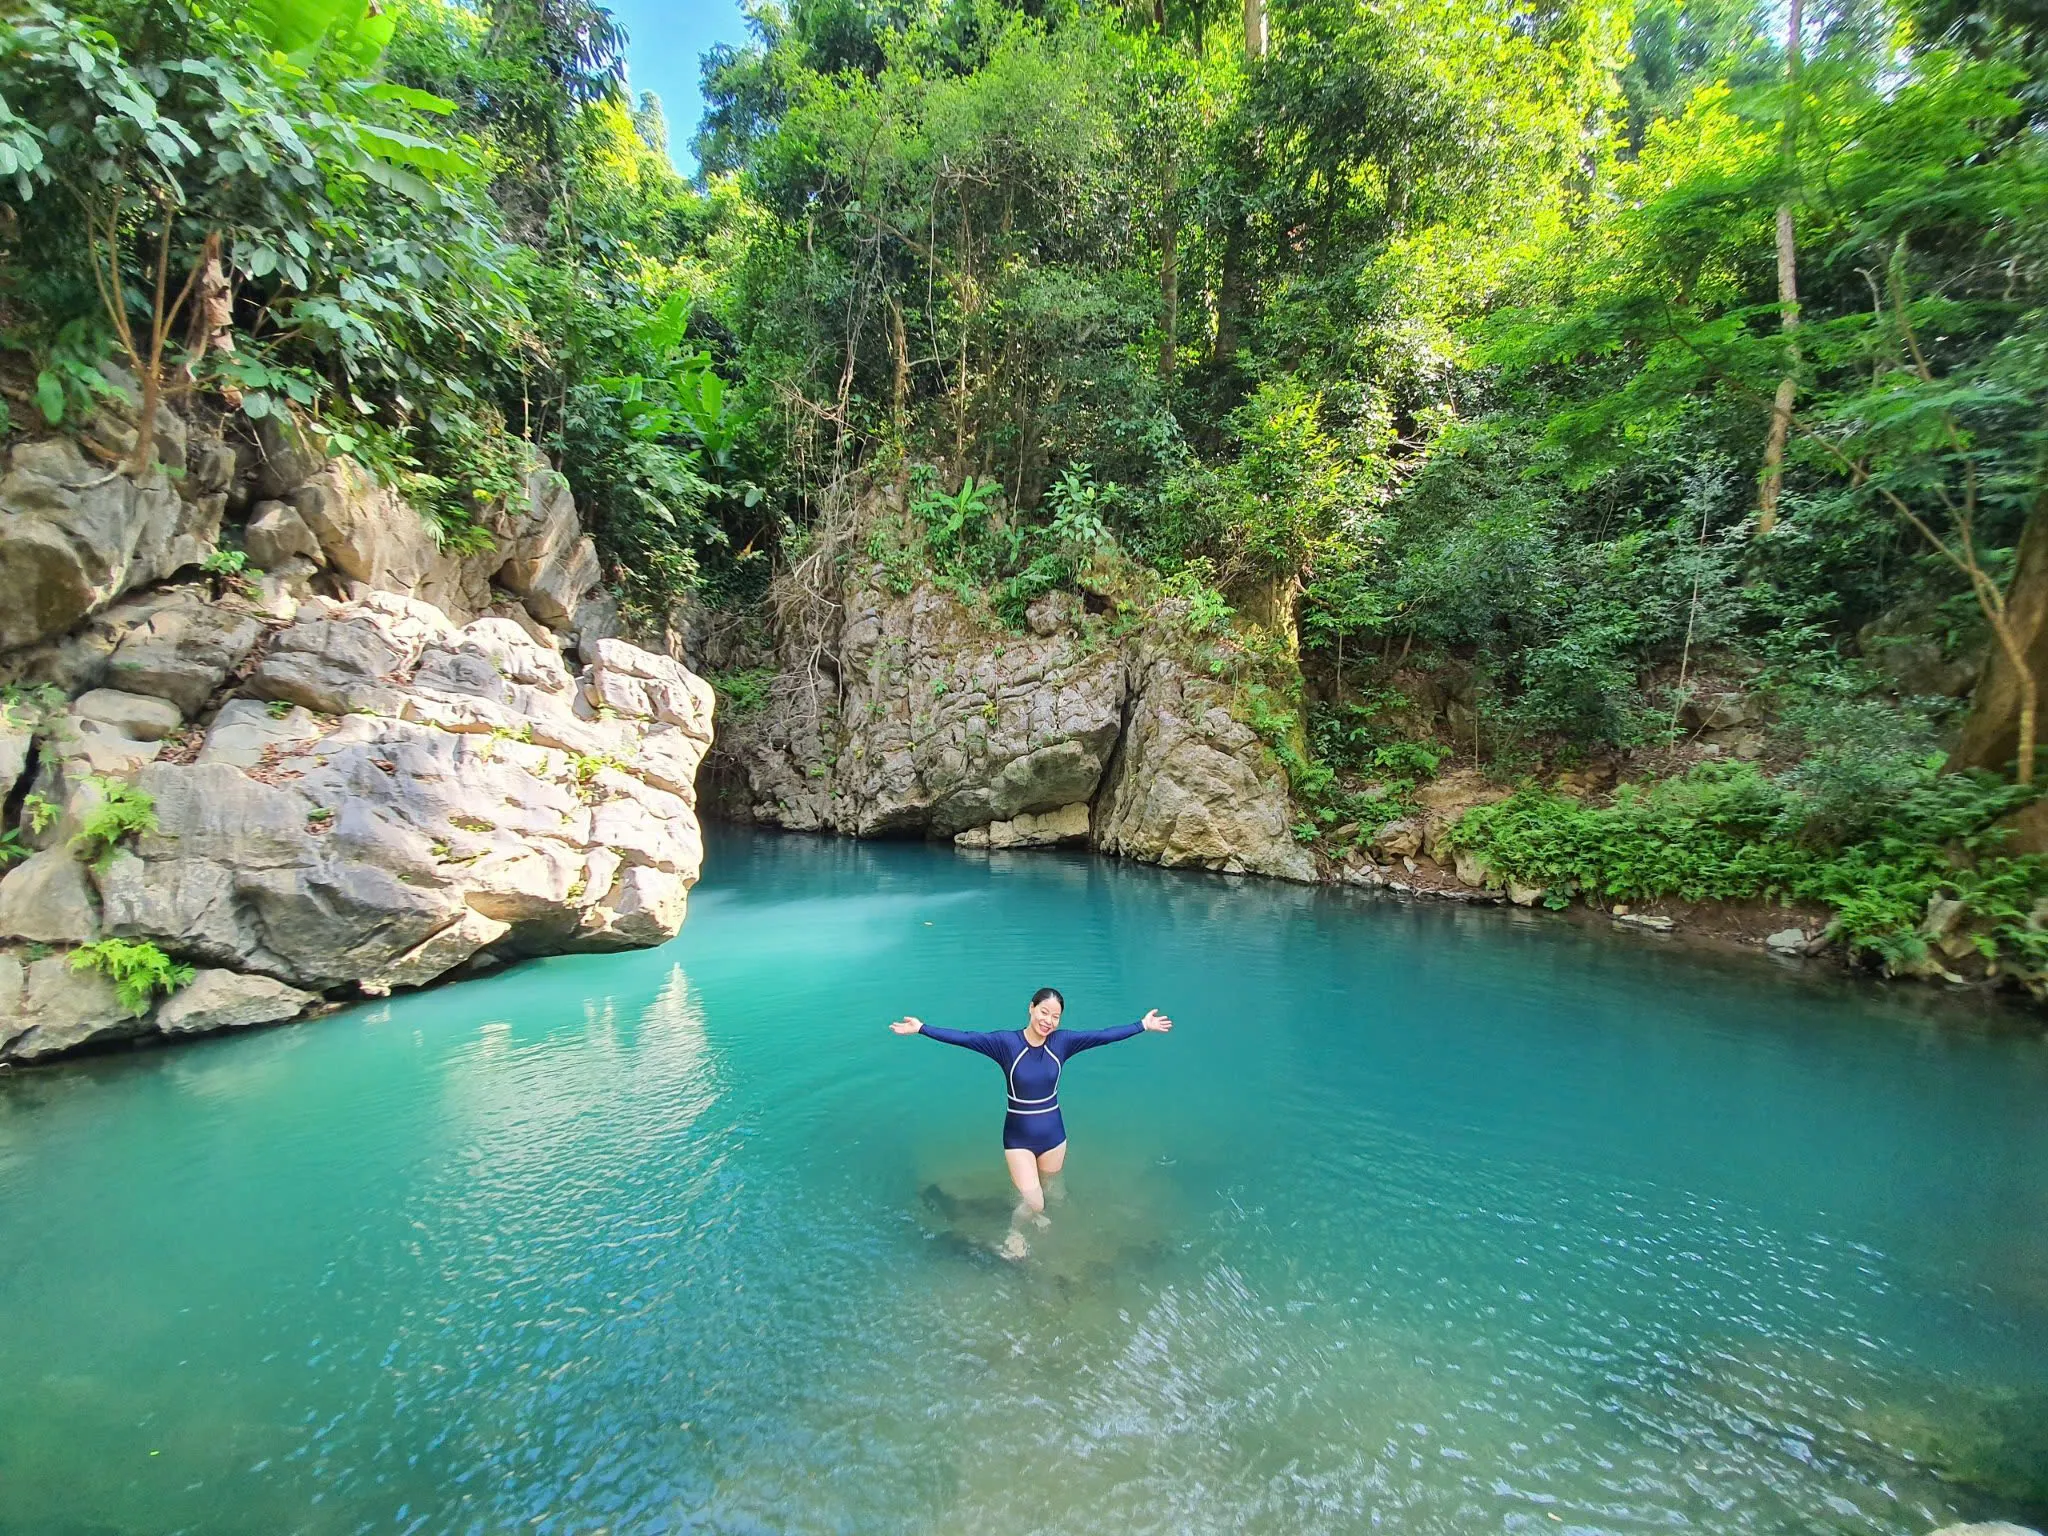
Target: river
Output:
[{"x": 1423, "y": 1220}]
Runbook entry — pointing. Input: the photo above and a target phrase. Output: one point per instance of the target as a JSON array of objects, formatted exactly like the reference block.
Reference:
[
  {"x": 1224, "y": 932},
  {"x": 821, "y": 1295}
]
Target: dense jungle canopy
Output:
[{"x": 1578, "y": 357}]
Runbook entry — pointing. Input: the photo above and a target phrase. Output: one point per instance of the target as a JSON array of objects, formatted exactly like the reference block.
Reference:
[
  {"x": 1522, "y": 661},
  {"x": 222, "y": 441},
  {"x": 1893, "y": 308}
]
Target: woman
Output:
[{"x": 1034, "y": 1137}]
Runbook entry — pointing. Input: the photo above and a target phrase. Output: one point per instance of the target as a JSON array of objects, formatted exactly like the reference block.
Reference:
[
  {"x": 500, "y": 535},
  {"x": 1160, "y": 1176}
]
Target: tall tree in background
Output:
[
  {"x": 1231, "y": 284},
  {"x": 1788, "y": 284}
]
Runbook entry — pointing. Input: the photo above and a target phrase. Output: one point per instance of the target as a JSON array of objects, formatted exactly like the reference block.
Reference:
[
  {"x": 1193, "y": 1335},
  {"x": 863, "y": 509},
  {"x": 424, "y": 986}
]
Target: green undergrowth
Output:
[
  {"x": 1349, "y": 768},
  {"x": 743, "y": 693},
  {"x": 1728, "y": 832}
]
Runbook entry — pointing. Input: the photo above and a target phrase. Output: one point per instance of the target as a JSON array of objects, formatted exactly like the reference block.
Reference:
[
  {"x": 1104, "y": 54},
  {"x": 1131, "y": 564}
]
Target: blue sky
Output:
[{"x": 666, "y": 40}]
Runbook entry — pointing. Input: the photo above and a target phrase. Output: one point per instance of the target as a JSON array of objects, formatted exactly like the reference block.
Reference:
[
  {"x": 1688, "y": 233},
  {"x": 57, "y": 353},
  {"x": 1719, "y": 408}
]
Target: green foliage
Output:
[
  {"x": 1730, "y": 833},
  {"x": 744, "y": 693},
  {"x": 225, "y": 562},
  {"x": 119, "y": 811},
  {"x": 140, "y": 971}
]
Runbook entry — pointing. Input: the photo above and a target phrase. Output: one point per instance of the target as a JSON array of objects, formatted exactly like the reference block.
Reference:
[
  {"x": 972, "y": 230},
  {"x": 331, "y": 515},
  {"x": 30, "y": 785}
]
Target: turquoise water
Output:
[{"x": 1422, "y": 1221}]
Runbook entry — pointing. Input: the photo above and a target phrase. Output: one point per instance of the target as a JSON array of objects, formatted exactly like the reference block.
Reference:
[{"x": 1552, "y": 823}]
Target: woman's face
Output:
[{"x": 1045, "y": 1015}]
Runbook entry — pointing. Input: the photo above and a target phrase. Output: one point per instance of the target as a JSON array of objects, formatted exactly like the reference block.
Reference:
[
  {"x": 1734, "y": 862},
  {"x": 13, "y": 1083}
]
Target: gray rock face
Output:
[
  {"x": 16, "y": 742},
  {"x": 1065, "y": 826},
  {"x": 224, "y": 1000},
  {"x": 48, "y": 899},
  {"x": 132, "y": 714},
  {"x": 944, "y": 726},
  {"x": 507, "y": 809},
  {"x": 277, "y": 534},
  {"x": 184, "y": 651},
  {"x": 904, "y": 715},
  {"x": 75, "y": 535},
  {"x": 369, "y": 535},
  {"x": 58, "y": 1009},
  {"x": 405, "y": 787},
  {"x": 1194, "y": 786}
]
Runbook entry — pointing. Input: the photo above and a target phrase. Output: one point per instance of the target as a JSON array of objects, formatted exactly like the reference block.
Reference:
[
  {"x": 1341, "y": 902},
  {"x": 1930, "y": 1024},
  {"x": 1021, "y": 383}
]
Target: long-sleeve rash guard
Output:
[{"x": 1033, "y": 1075}]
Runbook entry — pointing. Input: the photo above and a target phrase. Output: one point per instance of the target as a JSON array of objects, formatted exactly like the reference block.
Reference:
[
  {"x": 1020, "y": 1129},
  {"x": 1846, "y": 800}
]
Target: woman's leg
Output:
[
  {"x": 1024, "y": 1166},
  {"x": 1030, "y": 1199},
  {"x": 1049, "y": 1166}
]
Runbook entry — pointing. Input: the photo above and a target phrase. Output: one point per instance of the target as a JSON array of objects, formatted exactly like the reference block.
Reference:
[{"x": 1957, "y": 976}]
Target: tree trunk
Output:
[
  {"x": 899, "y": 384},
  {"x": 1788, "y": 290},
  {"x": 1169, "y": 271},
  {"x": 2003, "y": 724},
  {"x": 1230, "y": 288}
]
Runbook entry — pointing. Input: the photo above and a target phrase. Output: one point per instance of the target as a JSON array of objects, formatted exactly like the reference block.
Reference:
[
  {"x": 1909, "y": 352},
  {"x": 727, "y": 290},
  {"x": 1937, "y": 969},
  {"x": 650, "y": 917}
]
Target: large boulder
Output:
[
  {"x": 371, "y": 536},
  {"x": 1193, "y": 785},
  {"x": 944, "y": 724},
  {"x": 184, "y": 652},
  {"x": 48, "y": 899},
  {"x": 514, "y": 809},
  {"x": 48, "y": 1007},
  {"x": 75, "y": 534},
  {"x": 215, "y": 1000}
]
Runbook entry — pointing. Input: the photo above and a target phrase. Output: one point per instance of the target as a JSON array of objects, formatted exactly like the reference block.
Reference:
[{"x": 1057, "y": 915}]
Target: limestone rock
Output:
[
  {"x": 246, "y": 729},
  {"x": 369, "y": 535},
  {"x": 48, "y": 899},
  {"x": 76, "y": 534},
  {"x": 907, "y": 714},
  {"x": 131, "y": 714},
  {"x": 100, "y": 748},
  {"x": 1194, "y": 786},
  {"x": 17, "y": 741},
  {"x": 646, "y": 907},
  {"x": 1473, "y": 869},
  {"x": 1787, "y": 941},
  {"x": 277, "y": 534},
  {"x": 287, "y": 456},
  {"x": 224, "y": 1000},
  {"x": 185, "y": 651},
  {"x": 944, "y": 725},
  {"x": 1067, "y": 825},
  {"x": 350, "y": 658},
  {"x": 506, "y": 812},
  {"x": 539, "y": 531},
  {"x": 61, "y": 1010},
  {"x": 434, "y": 957},
  {"x": 1644, "y": 921},
  {"x": 1721, "y": 711},
  {"x": 559, "y": 586},
  {"x": 1524, "y": 895},
  {"x": 1399, "y": 839}
]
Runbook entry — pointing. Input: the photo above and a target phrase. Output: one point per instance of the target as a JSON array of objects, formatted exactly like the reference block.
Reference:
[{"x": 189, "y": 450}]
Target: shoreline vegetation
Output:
[{"x": 1597, "y": 450}]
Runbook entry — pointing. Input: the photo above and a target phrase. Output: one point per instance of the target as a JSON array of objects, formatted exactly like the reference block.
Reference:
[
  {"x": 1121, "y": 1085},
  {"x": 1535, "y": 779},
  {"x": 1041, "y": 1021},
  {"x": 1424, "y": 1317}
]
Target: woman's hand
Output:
[
  {"x": 911, "y": 1026},
  {"x": 1156, "y": 1021}
]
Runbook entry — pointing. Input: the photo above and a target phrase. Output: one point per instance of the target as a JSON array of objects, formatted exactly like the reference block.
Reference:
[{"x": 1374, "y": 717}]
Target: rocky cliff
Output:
[
  {"x": 367, "y": 764},
  {"x": 907, "y": 714}
]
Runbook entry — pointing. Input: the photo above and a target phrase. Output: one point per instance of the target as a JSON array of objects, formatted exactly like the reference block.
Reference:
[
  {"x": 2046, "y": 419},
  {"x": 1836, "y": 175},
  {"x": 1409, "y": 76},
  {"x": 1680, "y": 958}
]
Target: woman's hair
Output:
[{"x": 1052, "y": 992}]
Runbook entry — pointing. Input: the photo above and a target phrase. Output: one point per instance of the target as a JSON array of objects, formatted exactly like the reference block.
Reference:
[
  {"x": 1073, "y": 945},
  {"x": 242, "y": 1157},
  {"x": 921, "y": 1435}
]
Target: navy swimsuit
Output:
[{"x": 1033, "y": 1072}]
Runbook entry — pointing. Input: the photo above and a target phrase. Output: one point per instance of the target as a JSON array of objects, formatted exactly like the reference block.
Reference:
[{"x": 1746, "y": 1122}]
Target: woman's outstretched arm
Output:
[
  {"x": 973, "y": 1040},
  {"x": 1074, "y": 1041}
]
